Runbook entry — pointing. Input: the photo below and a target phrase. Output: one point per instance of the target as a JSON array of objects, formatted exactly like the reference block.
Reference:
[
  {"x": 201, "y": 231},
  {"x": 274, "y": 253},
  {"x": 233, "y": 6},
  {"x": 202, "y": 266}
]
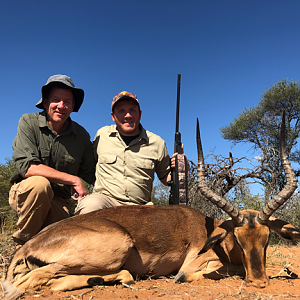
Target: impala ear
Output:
[
  {"x": 284, "y": 229},
  {"x": 217, "y": 236}
]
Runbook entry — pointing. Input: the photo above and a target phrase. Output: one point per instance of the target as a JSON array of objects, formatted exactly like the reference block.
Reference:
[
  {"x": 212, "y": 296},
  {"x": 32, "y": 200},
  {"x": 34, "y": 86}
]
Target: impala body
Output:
[{"x": 121, "y": 243}]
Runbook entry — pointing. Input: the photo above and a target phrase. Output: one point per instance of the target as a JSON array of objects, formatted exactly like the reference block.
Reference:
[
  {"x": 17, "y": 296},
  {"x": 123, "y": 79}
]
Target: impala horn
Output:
[
  {"x": 230, "y": 209},
  {"x": 291, "y": 181}
]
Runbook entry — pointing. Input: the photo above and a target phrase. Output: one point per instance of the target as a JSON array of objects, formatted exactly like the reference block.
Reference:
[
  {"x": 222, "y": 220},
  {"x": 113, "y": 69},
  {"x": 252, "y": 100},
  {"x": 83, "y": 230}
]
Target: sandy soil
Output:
[{"x": 282, "y": 285}]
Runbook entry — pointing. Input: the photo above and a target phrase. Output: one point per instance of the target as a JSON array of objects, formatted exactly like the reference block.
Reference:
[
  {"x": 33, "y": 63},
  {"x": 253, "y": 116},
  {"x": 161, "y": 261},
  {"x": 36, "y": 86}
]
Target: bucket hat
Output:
[
  {"x": 124, "y": 95},
  {"x": 67, "y": 81}
]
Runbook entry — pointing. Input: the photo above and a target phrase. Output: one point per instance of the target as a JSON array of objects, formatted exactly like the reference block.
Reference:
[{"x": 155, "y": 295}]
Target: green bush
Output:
[{"x": 7, "y": 215}]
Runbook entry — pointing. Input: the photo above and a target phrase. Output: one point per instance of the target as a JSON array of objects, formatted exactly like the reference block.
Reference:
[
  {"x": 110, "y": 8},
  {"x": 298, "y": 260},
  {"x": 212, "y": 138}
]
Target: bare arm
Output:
[{"x": 54, "y": 176}]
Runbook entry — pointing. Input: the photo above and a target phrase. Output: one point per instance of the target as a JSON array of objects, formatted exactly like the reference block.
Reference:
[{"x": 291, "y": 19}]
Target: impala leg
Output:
[
  {"x": 206, "y": 265},
  {"x": 20, "y": 271},
  {"x": 217, "y": 270},
  {"x": 72, "y": 282},
  {"x": 34, "y": 280},
  {"x": 123, "y": 276}
]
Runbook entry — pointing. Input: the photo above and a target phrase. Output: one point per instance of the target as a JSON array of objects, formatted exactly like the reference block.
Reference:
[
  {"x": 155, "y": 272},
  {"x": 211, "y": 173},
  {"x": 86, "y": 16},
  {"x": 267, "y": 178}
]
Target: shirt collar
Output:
[{"x": 143, "y": 135}]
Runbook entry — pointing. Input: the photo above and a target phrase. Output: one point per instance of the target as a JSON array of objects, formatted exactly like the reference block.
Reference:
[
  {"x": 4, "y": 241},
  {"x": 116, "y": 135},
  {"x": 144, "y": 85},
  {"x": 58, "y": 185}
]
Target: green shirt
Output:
[
  {"x": 126, "y": 173},
  {"x": 70, "y": 151}
]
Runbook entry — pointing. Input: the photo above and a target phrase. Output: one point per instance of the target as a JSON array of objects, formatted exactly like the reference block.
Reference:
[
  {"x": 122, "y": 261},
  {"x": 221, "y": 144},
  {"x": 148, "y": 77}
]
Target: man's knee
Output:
[
  {"x": 35, "y": 189},
  {"x": 38, "y": 185},
  {"x": 94, "y": 202},
  {"x": 87, "y": 204}
]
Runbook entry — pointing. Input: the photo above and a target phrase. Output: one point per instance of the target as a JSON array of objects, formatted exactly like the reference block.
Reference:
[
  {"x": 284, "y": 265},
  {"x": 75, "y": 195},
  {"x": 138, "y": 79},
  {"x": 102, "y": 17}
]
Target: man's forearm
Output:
[
  {"x": 51, "y": 174},
  {"x": 55, "y": 176}
]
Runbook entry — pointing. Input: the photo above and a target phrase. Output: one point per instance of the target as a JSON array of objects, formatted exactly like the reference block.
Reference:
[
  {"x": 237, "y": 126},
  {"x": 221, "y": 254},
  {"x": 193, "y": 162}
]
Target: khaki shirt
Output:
[
  {"x": 70, "y": 152},
  {"x": 126, "y": 173}
]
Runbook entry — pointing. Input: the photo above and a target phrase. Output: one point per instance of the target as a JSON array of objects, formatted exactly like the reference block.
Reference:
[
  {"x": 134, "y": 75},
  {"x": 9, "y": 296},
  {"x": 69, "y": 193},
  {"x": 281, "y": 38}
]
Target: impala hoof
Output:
[
  {"x": 180, "y": 277},
  {"x": 95, "y": 281}
]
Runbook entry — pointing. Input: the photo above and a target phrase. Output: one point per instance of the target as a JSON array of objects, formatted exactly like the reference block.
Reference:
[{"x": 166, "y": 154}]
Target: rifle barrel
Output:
[{"x": 178, "y": 102}]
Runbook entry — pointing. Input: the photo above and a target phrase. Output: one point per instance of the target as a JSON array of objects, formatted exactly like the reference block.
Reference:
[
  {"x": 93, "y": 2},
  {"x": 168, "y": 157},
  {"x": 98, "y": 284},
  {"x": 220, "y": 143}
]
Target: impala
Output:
[{"x": 120, "y": 243}]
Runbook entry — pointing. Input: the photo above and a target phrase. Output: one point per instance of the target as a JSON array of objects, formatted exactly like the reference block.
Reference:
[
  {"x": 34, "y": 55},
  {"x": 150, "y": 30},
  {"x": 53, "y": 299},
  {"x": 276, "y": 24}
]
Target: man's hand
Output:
[
  {"x": 181, "y": 161},
  {"x": 79, "y": 189},
  {"x": 181, "y": 166}
]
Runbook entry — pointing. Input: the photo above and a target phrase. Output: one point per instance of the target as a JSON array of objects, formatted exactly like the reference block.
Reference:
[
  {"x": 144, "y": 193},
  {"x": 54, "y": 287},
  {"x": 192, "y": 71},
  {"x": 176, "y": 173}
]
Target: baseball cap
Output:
[{"x": 124, "y": 95}]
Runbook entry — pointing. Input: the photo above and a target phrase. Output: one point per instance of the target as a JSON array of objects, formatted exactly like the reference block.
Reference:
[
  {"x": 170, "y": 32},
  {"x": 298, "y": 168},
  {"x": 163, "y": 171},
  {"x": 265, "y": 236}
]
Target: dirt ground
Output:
[{"x": 283, "y": 285}]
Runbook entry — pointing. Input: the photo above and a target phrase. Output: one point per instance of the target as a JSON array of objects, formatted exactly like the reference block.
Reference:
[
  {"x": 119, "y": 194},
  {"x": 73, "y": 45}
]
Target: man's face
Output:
[
  {"x": 127, "y": 116},
  {"x": 58, "y": 106}
]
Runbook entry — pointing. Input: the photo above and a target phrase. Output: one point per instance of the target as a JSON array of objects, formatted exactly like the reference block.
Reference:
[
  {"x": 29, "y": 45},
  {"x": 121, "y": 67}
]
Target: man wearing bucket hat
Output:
[
  {"x": 51, "y": 153},
  {"x": 128, "y": 157}
]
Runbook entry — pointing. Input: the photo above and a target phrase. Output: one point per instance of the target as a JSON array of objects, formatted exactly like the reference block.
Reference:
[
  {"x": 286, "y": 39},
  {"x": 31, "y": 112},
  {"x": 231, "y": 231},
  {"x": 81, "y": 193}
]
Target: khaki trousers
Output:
[
  {"x": 96, "y": 201},
  {"x": 34, "y": 202}
]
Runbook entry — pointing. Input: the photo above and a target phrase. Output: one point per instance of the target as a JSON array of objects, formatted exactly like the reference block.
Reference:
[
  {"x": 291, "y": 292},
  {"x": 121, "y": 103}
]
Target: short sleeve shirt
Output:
[
  {"x": 126, "y": 173},
  {"x": 70, "y": 152}
]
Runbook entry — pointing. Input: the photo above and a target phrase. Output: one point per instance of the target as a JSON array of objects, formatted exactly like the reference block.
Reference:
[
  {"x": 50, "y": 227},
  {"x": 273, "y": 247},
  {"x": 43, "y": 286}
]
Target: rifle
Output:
[{"x": 178, "y": 183}]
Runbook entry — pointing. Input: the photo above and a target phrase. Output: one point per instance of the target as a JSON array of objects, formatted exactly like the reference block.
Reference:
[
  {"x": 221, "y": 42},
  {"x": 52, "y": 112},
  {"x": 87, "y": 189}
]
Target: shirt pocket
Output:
[
  {"x": 107, "y": 159},
  {"x": 68, "y": 159},
  {"x": 69, "y": 164},
  {"x": 107, "y": 167},
  {"x": 142, "y": 163},
  {"x": 144, "y": 170}
]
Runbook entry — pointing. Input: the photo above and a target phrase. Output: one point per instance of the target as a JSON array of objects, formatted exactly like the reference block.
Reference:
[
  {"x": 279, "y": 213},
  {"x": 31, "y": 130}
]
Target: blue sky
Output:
[{"x": 227, "y": 52}]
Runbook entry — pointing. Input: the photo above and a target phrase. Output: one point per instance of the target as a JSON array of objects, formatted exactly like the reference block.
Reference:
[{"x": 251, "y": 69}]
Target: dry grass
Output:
[
  {"x": 7, "y": 248},
  {"x": 275, "y": 257}
]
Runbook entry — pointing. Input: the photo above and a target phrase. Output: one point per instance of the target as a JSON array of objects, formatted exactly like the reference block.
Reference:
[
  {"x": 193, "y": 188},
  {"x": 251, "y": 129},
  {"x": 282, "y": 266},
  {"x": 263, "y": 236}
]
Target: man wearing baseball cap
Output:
[
  {"x": 51, "y": 152},
  {"x": 128, "y": 158}
]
